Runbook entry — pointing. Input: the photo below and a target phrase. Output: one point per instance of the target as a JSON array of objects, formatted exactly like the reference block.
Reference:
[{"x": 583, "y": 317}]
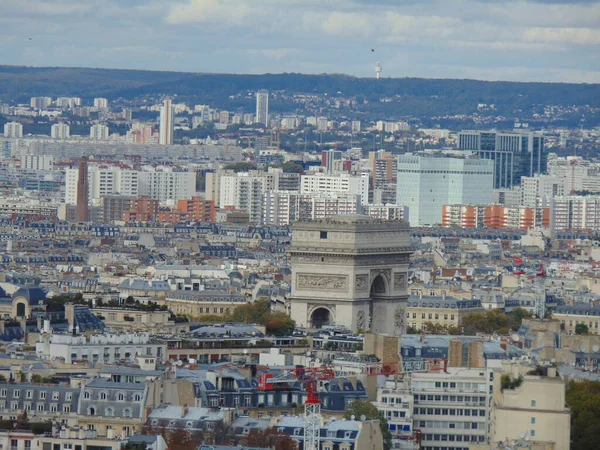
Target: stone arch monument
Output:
[{"x": 351, "y": 271}]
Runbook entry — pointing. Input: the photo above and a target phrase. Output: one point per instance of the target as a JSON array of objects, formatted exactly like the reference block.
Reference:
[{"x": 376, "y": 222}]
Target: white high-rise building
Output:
[
  {"x": 262, "y": 107},
  {"x": 13, "y": 130},
  {"x": 165, "y": 185},
  {"x": 337, "y": 184},
  {"x": 166, "y": 128},
  {"x": 243, "y": 191},
  {"x": 60, "y": 131},
  {"x": 540, "y": 189},
  {"x": 40, "y": 102},
  {"x": 425, "y": 184},
  {"x": 37, "y": 162},
  {"x": 99, "y": 132},
  {"x": 68, "y": 102},
  {"x": 102, "y": 181},
  {"x": 100, "y": 103}
]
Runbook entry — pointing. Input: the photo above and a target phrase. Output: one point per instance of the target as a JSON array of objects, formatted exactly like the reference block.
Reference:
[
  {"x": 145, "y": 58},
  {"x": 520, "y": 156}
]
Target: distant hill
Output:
[{"x": 418, "y": 96}]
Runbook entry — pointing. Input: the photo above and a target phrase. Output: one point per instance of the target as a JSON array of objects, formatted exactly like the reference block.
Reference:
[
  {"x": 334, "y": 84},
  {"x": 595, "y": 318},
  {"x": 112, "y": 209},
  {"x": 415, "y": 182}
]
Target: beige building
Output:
[
  {"x": 572, "y": 315},
  {"x": 440, "y": 310},
  {"x": 135, "y": 319},
  {"x": 202, "y": 303},
  {"x": 536, "y": 409}
]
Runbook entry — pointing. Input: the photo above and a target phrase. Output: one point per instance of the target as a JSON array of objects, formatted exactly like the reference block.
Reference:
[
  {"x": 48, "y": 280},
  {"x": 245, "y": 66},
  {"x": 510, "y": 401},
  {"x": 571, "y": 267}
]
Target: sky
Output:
[{"x": 530, "y": 40}]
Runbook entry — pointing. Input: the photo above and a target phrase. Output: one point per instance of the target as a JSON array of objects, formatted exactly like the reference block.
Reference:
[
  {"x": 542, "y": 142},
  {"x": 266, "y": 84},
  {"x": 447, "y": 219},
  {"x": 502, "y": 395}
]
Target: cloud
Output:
[{"x": 218, "y": 12}]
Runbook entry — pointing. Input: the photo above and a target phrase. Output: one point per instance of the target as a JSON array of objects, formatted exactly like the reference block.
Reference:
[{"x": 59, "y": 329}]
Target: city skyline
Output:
[{"x": 514, "y": 41}]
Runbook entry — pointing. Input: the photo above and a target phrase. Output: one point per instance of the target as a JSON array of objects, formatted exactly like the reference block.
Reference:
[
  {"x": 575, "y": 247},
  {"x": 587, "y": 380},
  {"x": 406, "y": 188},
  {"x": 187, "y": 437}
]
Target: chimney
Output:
[{"x": 184, "y": 410}]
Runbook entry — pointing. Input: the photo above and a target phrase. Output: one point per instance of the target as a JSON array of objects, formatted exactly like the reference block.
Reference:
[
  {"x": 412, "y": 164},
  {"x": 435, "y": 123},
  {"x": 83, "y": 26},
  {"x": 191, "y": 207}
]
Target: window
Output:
[
  {"x": 53, "y": 408},
  {"x": 40, "y": 407},
  {"x": 16, "y": 393},
  {"x": 68, "y": 396},
  {"x": 127, "y": 412},
  {"x": 43, "y": 395},
  {"x": 103, "y": 395},
  {"x": 29, "y": 394},
  {"x": 86, "y": 395},
  {"x": 533, "y": 403},
  {"x": 3, "y": 393},
  {"x": 66, "y": 408},
  {"x": 532, "y": 433},
  {"x": 121, "y": 397},
  {"x": 323, "y": 234},
  {"x": 109, "y": 412},
  {"x": 55, "y": 395},
  {"x": 533, "y": 420}
]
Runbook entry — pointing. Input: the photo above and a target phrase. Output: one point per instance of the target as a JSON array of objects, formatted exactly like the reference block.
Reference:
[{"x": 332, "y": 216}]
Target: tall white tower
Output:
[
  {"x": 262, "y": 107},
  {"x": 377, "y": 70},
  {"x": 166, "y": 123}
]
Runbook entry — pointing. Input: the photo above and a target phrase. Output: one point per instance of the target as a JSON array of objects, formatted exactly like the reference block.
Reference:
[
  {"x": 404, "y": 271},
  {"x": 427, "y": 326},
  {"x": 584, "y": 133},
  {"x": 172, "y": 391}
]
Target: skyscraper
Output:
[
  {"x": 166, "y": 123},
  {"x": 82, "y": 209},
  {"x": 262, "y": 107},
  {"x": 60, "y": 131}
]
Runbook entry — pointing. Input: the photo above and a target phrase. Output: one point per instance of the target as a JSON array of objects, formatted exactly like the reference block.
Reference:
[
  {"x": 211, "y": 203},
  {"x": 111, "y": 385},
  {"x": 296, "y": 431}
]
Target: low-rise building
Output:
[
  {"x": 440, "y": 310},
  {"x": 582, "y": 313}
]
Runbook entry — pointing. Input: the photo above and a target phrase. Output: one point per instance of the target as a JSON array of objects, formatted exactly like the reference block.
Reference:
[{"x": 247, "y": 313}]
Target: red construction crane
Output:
[{"x": 312, "y": 406}]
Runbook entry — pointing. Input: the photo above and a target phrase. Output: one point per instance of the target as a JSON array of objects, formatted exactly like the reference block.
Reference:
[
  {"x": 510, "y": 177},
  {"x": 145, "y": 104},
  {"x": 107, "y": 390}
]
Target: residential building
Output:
[
  {"x": 167, "y": 185},
  {"x": 99, "y": 132},
  {"x": 166, "y": 126},
  {"x": 328, "y": 158},
  {"x": 68, "y": 102},
  {"x": 341, "y": 184},
  {"x": 384, "y": 168},
  {"x": 581, "y": 313},
  {"x": 494, "y": 216},
  {"x": 539, "y": 190},
  {"x": 386, "y": 211},
  {"x": 141, "y": 209},
  {"x": 535, "y": 410},
  {"x": 114, "y": 206},
  {"x": 102, "y": 180},
  {"x": 426, "y": 183},
  {"x": 101, "y": 103},
  {"x": 395, "y": 402},
  {"x": 13, "y": 130},
  {"x": 439, "y": 310},
  {"x": 202, "y": 303},
  {"x": 40, "y": 102},
  {"x": 451, "y": 408},
  {"x": 82, "y": 191},
  {"x": 37, "y": 162},
  {"x": 243, "y": 191},
  {"x": 514, "y": 154},
  {"x": 575, "y": 212},
  {"x": 197, "y": 209},
  {"x": 262, "y": 107},
  {"x": 60, "y": 131}
]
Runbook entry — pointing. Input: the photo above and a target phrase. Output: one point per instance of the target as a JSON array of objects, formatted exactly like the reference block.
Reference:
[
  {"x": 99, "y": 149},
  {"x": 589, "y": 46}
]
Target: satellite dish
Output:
[
  {"x": 523, "y": 435},
  {"x": 595, "y": 348},
  {"x": 515, "y": 337},
  {"x": 352, "y": 417},
  {"x": 553, "y": 360},
  {"x": 582, "y": 348},
  {"x": 363, "y": 417}
]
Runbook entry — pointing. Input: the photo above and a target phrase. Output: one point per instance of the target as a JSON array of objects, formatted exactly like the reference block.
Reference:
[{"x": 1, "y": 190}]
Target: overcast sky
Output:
[{"x": 533, "y": 40}]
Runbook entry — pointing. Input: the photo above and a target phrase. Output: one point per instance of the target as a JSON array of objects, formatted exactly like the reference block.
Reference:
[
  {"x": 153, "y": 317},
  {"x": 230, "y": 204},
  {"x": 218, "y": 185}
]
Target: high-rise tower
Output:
[
  {"x": 262, "y": 107},
  {"x": 82, "y": 209},
  {"x": 377, "y": 70},
  {"x": 166, "y": 123}
]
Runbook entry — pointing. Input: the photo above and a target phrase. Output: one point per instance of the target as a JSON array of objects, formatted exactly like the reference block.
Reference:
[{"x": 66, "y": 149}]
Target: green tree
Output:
[
  {"x": 581, "y": 328},
  {"x": 583, "y": 399},
  {"x": 240, "y": 166},
  {"x": 260, "y": 312},
  {"x": 270, "y": 438},
  {"x": 364, "y": 407},
  {"x": 36, "y": 378}
]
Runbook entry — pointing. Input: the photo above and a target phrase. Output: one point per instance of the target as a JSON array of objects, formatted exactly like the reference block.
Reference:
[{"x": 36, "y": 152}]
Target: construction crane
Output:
[
  {"x": 312, "y": 406},
  {"x": 540, "y": 292}
]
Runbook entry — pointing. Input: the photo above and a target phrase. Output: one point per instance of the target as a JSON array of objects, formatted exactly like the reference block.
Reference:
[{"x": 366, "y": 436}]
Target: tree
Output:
[
  {"x": 276, "y": 322},
  {"x": 221, "y": 434},
  {"x": 363, "y": 407},
  {"x": 240, "y": 167},
  {"x": 583, "y": 399},
  {"x": 36, "y": 378},
  {"x": 270, "y": 438},
  {"x": 581, "y": 328}
]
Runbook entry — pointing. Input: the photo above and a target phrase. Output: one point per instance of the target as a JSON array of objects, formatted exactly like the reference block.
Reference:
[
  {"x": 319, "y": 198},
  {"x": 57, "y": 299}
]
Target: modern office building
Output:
[
  {"x": 60, "y": 131},
  {"x": 99, "y": 132},
  {"x": 515, "y": 154},
  {"x": 13, "y": 130},
  {"x": 426, "y": 183},
  {"x": 166, "y": 127},
  {"x": 328, "y": 157},
  {"x": 262, "y": 107}
]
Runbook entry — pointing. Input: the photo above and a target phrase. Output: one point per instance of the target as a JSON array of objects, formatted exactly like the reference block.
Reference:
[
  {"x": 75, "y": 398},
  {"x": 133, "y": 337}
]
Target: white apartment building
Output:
[
  {"x": 322, "y": 123},
  {"x": 243, "y": 191},
  {"x": 281, "y": 208},
  {"x": 426, "y": 183},
  {"x": 100, "y": 103},
  {"x": 13, "y": 130},
  {"x": 102, "y": 180},
  {"x": 37, "y": 162},
  {"x": 452, "y": 408},
  {"x": 99, "y": 132},
  {"x": 40, "y": 102},
  {"x": 386, "y": 211},
  {"x": 539, "y": 190},
  {"x": 60, "y": 131},
  {"x": 342, "y": 184},
  {"x": 68, "y": 102},
  {"x": 395, "y": 402},
  {"x": 262, "y": 107},
  {"x": 575, "y": 212},
  {"x": 167, "y": 125},
  {"x": 167, "y": 186}
]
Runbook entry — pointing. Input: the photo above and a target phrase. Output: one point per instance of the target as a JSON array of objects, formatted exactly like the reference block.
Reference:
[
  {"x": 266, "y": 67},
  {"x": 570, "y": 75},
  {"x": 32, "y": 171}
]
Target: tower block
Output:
[{"x": 351, "y": 271}]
